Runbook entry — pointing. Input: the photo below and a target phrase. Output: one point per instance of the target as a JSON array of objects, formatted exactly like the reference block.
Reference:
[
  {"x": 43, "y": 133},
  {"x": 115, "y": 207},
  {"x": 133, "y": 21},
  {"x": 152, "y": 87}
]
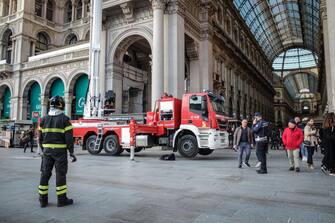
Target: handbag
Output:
[{"x": 307, "y": 143}]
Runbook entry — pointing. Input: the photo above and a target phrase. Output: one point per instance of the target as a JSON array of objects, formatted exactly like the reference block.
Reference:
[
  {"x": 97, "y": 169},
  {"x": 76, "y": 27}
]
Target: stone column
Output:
[
  {"x": 68, "y": 103},
  {"x": 21, "y": 49},
  {"x": 206, "y": 46},
  {"x": 1, "y": 48},
  {"x": 328, "y": 20},
  {"x": 73, "y": 10},
  {"x": 83, "y": 10},
  {"x": 44, "y": 104},
  {"x": 10, "y": 7},
  {"x": 44, "y": 11},
  {"x": 1, "y": 10},
  {"x": 174, "y": 50},
  {"x": 282, "y": 117},
  {"x": 16, "y": 109},
  {"x": 195, "y": 78},
  {"x": 206, "y": 64},
  {"x": 157, "y": 51}
]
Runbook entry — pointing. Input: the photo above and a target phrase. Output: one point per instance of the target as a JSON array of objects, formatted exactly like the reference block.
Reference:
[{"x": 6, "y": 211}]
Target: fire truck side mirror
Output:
[{"x": 204, "y": 107}]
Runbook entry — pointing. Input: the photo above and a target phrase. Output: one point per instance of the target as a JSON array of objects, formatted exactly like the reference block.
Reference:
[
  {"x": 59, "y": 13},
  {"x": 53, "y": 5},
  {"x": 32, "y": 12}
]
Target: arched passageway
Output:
[
  {"x": 132, "y": 64},
  {"x": 32, "y": 101},
  {"x": 54, "y": 87},
  {"x": 5, "y": 99},
  {"x": 78, "y": 88}
]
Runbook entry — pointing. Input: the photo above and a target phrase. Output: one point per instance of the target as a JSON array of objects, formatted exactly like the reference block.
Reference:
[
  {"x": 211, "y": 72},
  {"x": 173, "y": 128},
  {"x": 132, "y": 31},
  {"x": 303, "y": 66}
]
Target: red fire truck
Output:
[{"x": 194, "y": 125}]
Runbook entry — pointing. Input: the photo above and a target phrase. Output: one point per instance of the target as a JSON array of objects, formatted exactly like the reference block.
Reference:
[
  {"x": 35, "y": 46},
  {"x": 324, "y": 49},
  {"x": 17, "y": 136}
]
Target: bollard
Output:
[
  {"x": 132, "y": 153},
  {"x": 132, "y": 129}
]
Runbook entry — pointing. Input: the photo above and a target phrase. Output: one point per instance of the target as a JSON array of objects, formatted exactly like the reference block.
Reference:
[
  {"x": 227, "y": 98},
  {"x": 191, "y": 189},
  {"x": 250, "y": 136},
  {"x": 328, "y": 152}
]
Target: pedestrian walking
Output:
[
  {"x": 310, "y": 141},
  {"x": 303, "y": 151},
  {"x": 260, "y": 129},
  {"x": 28, "y": 139},
  {"x": 328, "y": 143},
  {"x": 55, "y": 139},
  {"x": 292, "y": 139},
  {"x": 243, "y": 141}
]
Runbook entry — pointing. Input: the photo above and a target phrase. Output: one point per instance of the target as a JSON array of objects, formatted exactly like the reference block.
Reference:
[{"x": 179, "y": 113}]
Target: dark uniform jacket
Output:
[
  {"x": 56, "y": 132},
  {"x": 261, "y": 131}
]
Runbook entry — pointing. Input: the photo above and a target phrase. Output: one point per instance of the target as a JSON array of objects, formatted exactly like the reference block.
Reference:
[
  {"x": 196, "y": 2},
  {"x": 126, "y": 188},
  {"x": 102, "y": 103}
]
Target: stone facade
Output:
[
  {"x": 46, "y": 46},
  {"x": 147, "y": 48}
]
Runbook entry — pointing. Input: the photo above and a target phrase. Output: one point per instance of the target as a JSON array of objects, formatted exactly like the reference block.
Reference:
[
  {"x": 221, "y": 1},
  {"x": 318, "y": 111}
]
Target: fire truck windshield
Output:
[{"x": 217, "y": 104}]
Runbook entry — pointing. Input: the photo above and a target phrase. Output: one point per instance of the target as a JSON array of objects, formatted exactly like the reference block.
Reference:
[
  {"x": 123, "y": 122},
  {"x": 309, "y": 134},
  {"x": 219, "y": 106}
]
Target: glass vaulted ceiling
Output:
[
  {"x": 279, "y": 25},
  {"x": 294, "y": 59}
]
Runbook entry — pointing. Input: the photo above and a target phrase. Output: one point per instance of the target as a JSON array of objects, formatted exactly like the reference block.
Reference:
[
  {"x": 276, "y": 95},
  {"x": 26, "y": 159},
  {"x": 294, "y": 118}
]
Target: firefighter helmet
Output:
[{"x": 57, "y": 102}]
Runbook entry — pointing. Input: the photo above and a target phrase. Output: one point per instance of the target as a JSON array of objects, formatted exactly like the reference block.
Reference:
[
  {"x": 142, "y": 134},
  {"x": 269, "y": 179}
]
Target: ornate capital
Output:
[
  {"x": 158, "y": 4},
  {"x": 176, "y": 6},
  {"x": 323, "y": 9}
]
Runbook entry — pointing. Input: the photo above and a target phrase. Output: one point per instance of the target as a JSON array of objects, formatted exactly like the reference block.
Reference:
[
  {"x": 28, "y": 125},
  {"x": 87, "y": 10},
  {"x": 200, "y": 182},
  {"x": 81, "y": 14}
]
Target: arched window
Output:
[
  {"x": 43, "y": 42},
  {"x": 7, "y": 46},
  {"x": 71, "y": 39},
  {"x": 68, "y": 12},
  {"x": 50, "y": 10},
  {"x": 5, "y": 9},
  {"x": 79, "y": 9},
  {"x": 38, "y": 8}
]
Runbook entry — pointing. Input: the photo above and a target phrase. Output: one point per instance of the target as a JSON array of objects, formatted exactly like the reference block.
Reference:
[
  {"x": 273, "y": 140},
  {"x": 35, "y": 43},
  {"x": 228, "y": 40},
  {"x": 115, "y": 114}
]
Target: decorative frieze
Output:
[{"x": 128, "y": 11}]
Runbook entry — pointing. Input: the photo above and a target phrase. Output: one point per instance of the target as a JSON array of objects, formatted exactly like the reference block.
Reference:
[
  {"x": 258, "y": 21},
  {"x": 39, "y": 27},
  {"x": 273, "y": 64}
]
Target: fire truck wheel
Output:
[
  {"x": 188, "y": 146},
  {"x": 137, "y": 149},
  {"x": 205, "y": 152},
  {"x": 90, "y": 144},
  {"x": 112, "y": 146}
]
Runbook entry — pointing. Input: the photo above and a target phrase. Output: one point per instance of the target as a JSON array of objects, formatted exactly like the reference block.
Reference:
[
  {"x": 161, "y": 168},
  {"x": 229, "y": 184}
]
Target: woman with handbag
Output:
[
  {"x": 310, "y": 141},
  {"x": 328, "y": 143}
]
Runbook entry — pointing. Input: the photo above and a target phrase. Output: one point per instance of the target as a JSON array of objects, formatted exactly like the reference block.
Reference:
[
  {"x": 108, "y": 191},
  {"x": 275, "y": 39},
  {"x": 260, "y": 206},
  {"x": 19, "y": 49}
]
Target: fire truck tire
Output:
[
  {"x": 205, "y": 152},
  {"x": 188, "y": 146},
  {"x": 137, "y": 149},
  {"x": 112, "y": 146},
  {"x": 90, "y": 143}
]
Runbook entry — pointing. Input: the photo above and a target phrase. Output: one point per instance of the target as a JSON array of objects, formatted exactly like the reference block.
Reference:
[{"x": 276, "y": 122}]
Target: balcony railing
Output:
[
  {"x": 5, "y": 69},
  {"x": 9, "y": 18},
  {"x": 134, "y": 73}
]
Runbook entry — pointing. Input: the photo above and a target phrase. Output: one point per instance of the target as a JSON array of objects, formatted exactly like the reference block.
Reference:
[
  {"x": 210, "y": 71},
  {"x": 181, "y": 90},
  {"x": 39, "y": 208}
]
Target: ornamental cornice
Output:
[{"x": 176, "y": 7}]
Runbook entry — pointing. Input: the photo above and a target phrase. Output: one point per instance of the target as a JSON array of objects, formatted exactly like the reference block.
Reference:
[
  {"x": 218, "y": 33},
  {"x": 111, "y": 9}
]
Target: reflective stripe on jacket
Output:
[{"x": 56, "y": 132}]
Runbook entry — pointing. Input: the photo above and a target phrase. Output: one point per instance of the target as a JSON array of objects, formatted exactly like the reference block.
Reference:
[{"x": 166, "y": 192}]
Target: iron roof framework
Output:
[
  {"x": 279, "y": 25},
  {"x": 294, "y": 59},
  {"x": 288, "y": 31}
]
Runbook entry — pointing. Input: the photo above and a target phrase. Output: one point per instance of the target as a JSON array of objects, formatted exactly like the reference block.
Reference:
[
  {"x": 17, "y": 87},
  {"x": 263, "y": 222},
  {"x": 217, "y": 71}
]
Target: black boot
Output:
[
  {"x": 43, "y": 201},
  {"x": 64, "y": 201}
]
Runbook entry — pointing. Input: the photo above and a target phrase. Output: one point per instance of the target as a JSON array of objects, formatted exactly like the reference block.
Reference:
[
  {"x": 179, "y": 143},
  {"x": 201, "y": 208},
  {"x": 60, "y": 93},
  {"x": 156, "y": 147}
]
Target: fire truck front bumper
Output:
[{"x": 214, "y": 139}]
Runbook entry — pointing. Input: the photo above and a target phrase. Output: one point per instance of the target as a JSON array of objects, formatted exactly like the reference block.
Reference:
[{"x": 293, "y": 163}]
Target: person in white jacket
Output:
[{"x": 310, "y": 141}]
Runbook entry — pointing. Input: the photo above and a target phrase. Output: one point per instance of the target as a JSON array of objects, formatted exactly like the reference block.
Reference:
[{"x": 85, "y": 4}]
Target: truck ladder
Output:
[{"x": 99, "y": 137}]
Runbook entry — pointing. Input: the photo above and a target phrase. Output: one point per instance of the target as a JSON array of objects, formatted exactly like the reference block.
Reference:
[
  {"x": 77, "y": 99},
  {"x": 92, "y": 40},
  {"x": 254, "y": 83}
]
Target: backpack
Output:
[{"x": 168, "y": 157}]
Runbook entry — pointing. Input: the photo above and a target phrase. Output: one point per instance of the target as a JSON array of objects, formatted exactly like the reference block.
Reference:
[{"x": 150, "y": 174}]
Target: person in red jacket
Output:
[{"x": 292, "y": 139}]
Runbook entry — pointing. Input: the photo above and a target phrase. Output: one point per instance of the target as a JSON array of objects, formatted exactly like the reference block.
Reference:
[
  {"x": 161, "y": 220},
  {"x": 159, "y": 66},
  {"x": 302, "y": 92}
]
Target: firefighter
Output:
[{"x": 55, "y": 138}]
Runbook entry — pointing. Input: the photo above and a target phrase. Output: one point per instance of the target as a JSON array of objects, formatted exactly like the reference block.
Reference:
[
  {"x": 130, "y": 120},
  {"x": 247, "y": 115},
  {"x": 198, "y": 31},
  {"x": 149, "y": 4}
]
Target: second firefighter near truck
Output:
[{"x": 55, "y": 139}]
